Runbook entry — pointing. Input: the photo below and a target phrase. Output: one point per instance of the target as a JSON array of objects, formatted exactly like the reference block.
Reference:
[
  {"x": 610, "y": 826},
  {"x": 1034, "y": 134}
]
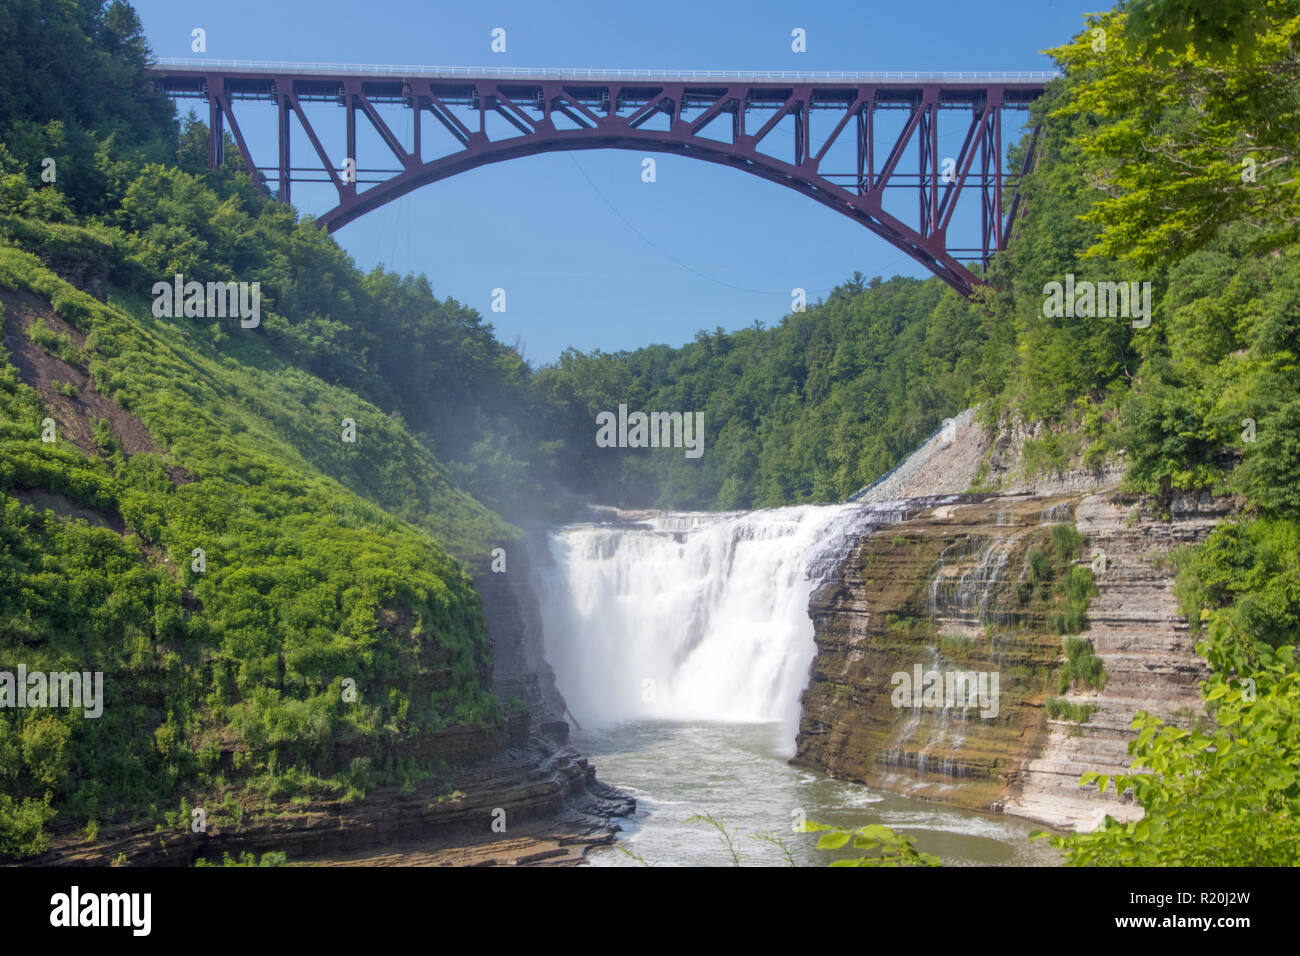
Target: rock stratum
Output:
[
  {"x": 552, "y": 807},
  {"x": 948, "y": 586}
]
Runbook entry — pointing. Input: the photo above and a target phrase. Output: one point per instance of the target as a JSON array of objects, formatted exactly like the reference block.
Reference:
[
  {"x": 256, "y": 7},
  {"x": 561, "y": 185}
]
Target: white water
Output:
[{"x": 691, "y": 616}]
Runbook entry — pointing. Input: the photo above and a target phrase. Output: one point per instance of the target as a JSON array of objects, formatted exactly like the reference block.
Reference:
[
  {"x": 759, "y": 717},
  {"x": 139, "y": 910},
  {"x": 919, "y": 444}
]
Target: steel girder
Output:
[{"x": 716, "y": 121}]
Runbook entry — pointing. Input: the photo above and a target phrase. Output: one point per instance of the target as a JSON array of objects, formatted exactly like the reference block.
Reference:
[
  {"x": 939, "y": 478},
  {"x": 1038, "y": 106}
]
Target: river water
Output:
[
  {"x": 739, "y": 774},
  {"x": 682, "y": 645}
]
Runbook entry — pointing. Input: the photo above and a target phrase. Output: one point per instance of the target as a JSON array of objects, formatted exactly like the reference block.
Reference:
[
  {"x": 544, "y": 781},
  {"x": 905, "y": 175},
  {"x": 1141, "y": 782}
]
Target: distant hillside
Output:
[{"x": 810, "y": 410}]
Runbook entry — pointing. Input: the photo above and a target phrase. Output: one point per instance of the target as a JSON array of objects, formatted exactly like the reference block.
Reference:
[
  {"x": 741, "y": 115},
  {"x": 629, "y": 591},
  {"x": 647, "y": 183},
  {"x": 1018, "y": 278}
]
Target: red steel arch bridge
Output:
[{"x": 742, "y": 120}]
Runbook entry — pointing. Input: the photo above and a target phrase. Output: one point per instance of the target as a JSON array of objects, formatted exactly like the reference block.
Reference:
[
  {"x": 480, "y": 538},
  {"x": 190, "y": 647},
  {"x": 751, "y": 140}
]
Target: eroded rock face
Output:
[
  {"x": 513, "y": 619},
  {"x": 1146, "y": 647},
  {"x": 545, "y": 798},
  {"x": 945, "y": 589},
  {"x": 921, "y": 593}
]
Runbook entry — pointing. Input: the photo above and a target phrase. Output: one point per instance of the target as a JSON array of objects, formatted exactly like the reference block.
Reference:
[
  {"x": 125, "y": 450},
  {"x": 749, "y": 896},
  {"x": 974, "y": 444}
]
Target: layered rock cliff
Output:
[
  {"x": 936, "y": 591},
  {"x": 544, "y": 797},
  {"x": 1146, "y": 648},
  {"x": 957, "y": 587}
]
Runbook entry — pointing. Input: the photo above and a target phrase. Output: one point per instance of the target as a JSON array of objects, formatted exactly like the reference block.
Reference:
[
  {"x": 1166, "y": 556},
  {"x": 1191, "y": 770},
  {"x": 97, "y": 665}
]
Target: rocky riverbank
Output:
[{"x": 536, "y": 801}]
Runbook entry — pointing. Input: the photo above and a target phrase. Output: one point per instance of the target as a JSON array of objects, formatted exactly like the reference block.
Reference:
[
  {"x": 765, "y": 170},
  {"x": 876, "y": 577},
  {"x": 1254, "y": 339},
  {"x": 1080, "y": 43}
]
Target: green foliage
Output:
[
  {"x": 728, "y": 838},
  {"x": 810, "y": 410},
  {"x": 1249, "y": 570},
  {"x": 55, "y": 344},
  {"x": 1053, "y": 453},
  {"x": 1182, "y": 103},
  {"x": 1169, "y": 157},
  {"x": 1082, "y": 666},
  {"x": 767, "y": 836},
  {"x": 881, "y": 846},
  {"x": 633, "y": 855},
  {"x": 22, "y": 826},
  {"x": 1062, "y": 588},
  {"x": 1066, "y": 541},
  {"x": 1057, "y": 708},
  {"x": 1038, "y": 567},
  {"x": 1072, "y": 605},
  {"x": 312, "y": 572},
  {"x": 1270, "y": 475},
  {"x": 72, "y": 87},
  {"x": 1227, "y": 798},
  {"x": 247, "y": 858}
]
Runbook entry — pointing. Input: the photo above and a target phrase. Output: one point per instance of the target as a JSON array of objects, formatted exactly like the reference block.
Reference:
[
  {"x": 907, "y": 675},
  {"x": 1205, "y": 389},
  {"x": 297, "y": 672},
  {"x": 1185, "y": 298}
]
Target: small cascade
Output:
[
  {"x": 927, "y": 733},
  {"x": 966, "y": 576},
  {"x": 1057, "y": 514},
  {"x": 963, "y": 600}
]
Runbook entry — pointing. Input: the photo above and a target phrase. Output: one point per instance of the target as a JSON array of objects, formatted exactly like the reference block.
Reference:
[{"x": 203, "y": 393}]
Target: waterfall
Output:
[{"x": 692, "y": 616}]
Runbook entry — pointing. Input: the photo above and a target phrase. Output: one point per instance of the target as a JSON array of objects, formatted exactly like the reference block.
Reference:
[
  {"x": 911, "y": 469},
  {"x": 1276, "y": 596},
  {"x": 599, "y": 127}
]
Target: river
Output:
[
  {"x": 738, "y": 773},
  {"x": 682, "y": 645}
]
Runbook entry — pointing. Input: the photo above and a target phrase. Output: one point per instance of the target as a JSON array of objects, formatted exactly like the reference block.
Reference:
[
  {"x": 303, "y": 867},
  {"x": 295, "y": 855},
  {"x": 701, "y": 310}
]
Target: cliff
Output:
[
  {"x": 513, "y": 620},
  {"x": 1146, "y": 648},
  {"x": 934, "y": 590},
  {"x": 961, "y": 586}
]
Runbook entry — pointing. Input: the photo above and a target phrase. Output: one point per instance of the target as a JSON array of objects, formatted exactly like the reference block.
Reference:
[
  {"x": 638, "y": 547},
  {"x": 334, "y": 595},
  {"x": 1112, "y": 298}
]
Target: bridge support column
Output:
[{"x": 284, "y": 112}]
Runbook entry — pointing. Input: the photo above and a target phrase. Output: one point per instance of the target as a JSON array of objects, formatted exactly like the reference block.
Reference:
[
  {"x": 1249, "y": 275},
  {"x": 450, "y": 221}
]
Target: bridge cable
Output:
[{"x": 646, "y": 239}]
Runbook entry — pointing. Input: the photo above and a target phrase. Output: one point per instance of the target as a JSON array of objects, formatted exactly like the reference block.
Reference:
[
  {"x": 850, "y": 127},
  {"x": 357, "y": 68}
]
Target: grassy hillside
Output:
[
  {"x": 229, "y": 678},
  {"x": 326, "y": 631}
]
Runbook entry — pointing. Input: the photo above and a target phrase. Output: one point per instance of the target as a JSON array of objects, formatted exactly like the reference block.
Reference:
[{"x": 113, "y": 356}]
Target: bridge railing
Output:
[{"x": 449, "y": 72}]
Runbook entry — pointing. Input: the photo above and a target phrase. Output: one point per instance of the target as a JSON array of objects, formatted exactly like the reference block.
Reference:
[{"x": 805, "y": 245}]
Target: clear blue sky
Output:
[{"x": 575, "y": 272}]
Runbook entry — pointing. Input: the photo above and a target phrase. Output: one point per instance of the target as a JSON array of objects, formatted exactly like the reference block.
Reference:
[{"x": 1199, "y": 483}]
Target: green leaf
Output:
[
  {"x": 833, "y": 841},
  {"x": 880, "y": 834}
]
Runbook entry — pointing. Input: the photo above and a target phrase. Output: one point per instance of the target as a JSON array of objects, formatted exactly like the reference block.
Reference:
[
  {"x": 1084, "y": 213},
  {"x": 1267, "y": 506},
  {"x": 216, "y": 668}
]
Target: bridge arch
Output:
[{"x": 577, "y": 111}]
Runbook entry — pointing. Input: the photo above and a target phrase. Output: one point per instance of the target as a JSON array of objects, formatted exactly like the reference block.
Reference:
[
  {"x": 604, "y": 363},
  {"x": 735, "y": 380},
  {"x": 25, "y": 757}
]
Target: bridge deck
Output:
[{"x": 196, "y": 65}]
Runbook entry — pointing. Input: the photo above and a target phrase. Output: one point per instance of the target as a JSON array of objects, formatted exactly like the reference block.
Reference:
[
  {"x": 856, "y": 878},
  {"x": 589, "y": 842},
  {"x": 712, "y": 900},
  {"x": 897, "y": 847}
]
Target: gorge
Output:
[
  {"x": 414, "y": 641},
  {"x": 794, "y": 621}
]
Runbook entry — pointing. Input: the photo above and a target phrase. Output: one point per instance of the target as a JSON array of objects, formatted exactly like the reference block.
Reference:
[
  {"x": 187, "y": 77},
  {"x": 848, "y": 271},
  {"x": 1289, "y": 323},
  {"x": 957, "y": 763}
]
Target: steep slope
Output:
[{"x": 264, "y": 631}]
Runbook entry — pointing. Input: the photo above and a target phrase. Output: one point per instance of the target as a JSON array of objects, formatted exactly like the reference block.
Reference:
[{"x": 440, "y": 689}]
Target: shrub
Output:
[
  {"x": 1082, "y": 665},
  {"x": 1079, "y": 713},
  {"x": 22, "y": 826}
]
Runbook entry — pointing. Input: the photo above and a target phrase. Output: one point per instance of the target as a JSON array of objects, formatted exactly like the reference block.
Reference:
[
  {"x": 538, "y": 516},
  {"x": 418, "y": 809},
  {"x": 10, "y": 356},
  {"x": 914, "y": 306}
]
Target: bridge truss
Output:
[{"x": 762, "y": 124}]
